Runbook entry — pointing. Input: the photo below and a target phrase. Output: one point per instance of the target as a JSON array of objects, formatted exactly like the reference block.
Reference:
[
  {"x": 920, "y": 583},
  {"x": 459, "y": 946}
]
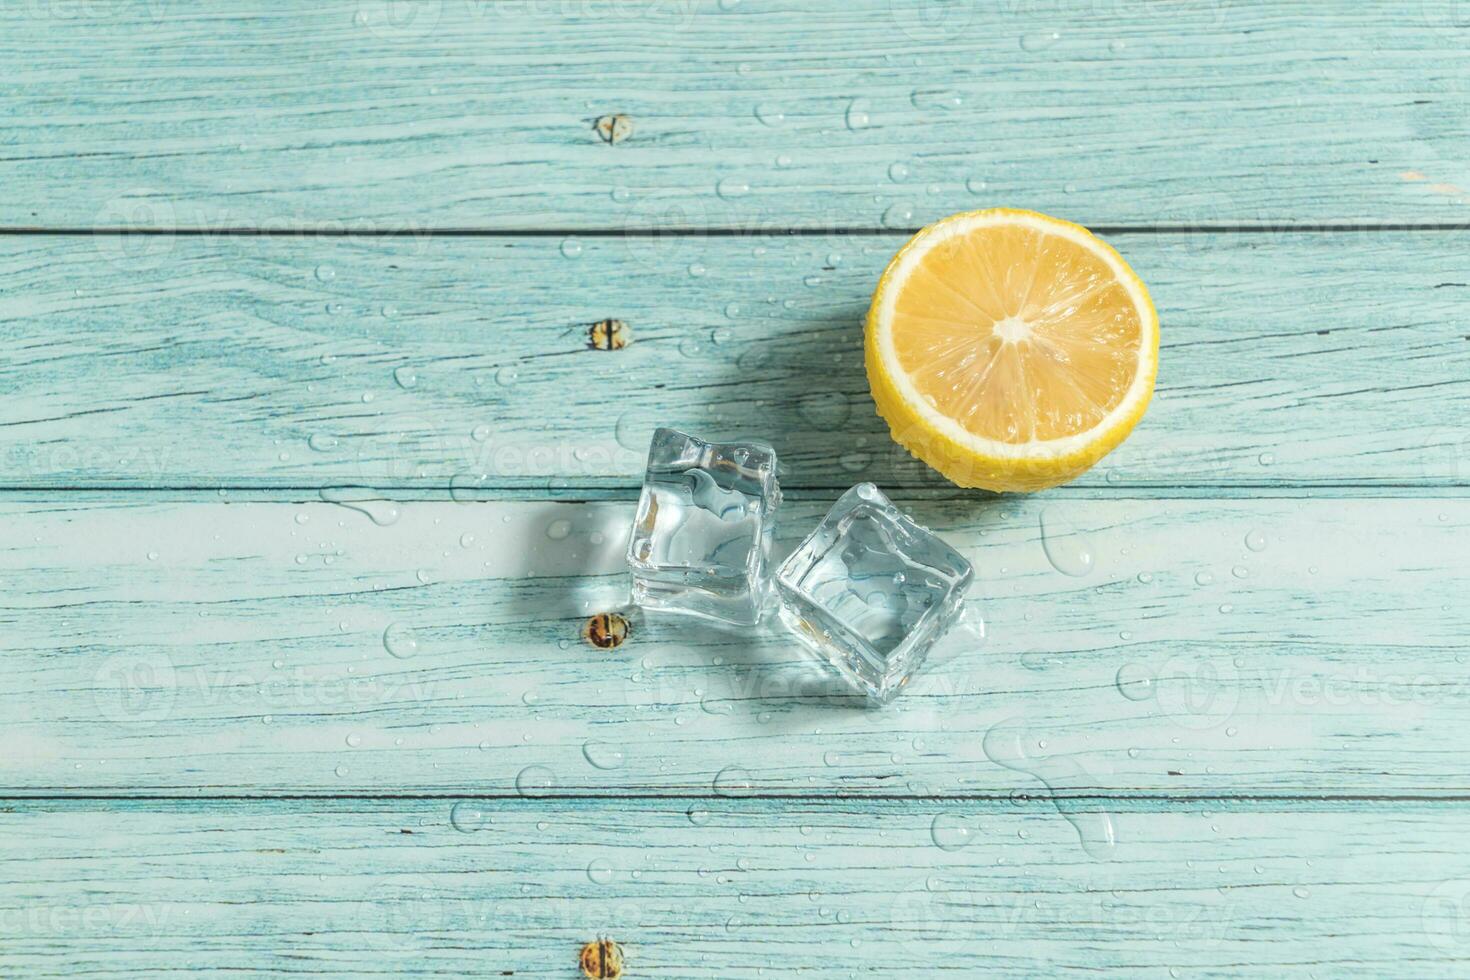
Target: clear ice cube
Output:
[
  {"x": 702, "y": 538},
  {"x": 871, "y": 592}
]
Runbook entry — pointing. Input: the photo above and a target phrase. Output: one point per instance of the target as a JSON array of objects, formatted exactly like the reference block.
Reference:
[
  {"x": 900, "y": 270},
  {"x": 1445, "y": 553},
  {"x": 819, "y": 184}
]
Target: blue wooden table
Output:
[{"x": 318, "y": 464}]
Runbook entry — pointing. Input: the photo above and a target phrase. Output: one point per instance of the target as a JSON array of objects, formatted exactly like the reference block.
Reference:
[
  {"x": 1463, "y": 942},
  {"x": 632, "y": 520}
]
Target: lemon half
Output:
[{"x": 1010, "y": 350}]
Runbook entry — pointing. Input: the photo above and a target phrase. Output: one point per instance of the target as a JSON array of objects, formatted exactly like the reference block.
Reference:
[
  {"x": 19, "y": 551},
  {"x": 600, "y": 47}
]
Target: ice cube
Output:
[
  {"x": 871, "y": 592},
  {"x": 702, "y": 539}
]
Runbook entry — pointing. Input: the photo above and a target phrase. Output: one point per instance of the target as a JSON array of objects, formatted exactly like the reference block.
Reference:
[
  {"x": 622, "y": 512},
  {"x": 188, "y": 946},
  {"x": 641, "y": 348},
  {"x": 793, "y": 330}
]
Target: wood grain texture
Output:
[
  {"x": 1287, "y": 360},
  {"x": 400, "y": 116},
  {"x": 236, "y": 718},
  {"x": 390, "y": 887},
  {"x": 245, "y": 648}
]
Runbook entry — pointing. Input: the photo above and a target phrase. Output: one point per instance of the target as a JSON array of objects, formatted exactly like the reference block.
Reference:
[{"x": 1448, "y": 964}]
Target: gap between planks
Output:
[
  {"x": 1124, "y": 801},
  {"x": 855, "y": 231},
  {"x": 627, "y": 492}
]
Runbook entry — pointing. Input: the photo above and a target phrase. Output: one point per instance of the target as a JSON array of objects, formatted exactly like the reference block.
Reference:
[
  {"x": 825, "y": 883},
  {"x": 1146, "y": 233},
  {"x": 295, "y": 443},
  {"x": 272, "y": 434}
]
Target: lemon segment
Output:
[{"x": 1010, "y": 350}]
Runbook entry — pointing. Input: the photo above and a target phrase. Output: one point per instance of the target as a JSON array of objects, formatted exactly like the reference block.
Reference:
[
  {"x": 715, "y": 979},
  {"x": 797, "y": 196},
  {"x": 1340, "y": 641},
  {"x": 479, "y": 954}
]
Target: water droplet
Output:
[
  {"x": 632, "y": 433},
  {"x": 825, "y": 411},
  {"x": 1005, "y": 745},
  {"x": 1266, "y": 459},
  {"x": 937, "y": 98},
  {"x": 716, "y": 705},
  {"x": 898, "y": 172},
  {"x": 480, "y": 433},
  {"x": 600, "y": 871},
  {"x": 1040, "y": 41},
  {"x": 975, "y": 185},
  {"x": 469, "y": 816},
  {"x": 732, "y": 187},
  {"x": 353, "y": 741},
  {"x": 733, "y": 781},
  {"x": 603, "y": 755},
  {"x": 1135, "y": 682},
  {"x": 535, "y": 781},
  {"x": 1300, "y": 892},
  {"x": 899, "y": 216},
  {"x": 1255, "y": 541},
  {"x": 950, "y": 832},
  {"x": 389, "y": 311},
  {"x": 698, "y": 816},
  {"x": 1226, "y": 607},
  {"x": 620, "y": 194},
  {"x": 770, "y": 115},
  {"x": 692, "y": 347},
  {"x": 462, "y": 486},
  {"x": 559, "y": 529},
  {"x": 405, "y": 376},
  {"x": 1116, "y": 45},
  {"x": 697, "y": 270},
  {"x": 362, "y": 499},
  {"x": 507, "y": 375},
  {"x": 326, "y": 273},
  {"x": 400, "y": 641},
  {"x": 1203, "y": 578},
  {"x": 571, "y": 248},
  {"x": 856, "y": 116},
  {"x": 1066, "y": 547},
  {"x": 1240, "y": 571},
  {"x": 1145, "y": 577},
  {"x": 322, "y": 442}
]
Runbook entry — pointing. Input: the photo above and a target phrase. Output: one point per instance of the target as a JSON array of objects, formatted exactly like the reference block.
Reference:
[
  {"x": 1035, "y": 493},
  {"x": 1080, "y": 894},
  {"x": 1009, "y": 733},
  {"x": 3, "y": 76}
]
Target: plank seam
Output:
[
  {"x": 629, "y": 491},
  {"x": 1285, "y": 226},
  {"x": 186, "y": 796}
]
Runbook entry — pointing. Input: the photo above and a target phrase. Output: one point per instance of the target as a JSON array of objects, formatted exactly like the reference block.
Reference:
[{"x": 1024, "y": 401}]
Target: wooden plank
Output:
[
  {"x": 391, "y": 887},
  {"x": 1258, "y": 645},
  {"x": 390, "y": 116},
  {"x": 1287, "y": 360}
]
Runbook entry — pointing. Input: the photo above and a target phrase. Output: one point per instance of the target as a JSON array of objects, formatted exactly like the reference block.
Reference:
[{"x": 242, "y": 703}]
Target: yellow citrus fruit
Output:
[{"x": 1010, "y": 350}]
